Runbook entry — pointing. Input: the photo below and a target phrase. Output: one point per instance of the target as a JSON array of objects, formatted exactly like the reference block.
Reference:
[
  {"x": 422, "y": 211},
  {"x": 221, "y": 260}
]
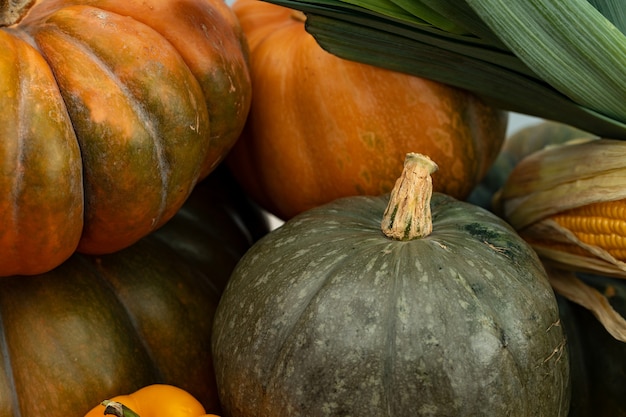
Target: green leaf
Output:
[
  {"x": 613, "y": 10},
  {"x": 464, "y": 16},
  {"x": 423, "y": 12},
  {"x": 384, "y": 7},
  {"x": 569, "y": 44}
]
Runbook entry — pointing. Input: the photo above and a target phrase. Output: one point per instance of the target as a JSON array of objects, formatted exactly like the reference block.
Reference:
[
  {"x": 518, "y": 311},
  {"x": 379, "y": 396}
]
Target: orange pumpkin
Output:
[
  {"x": 321, "y": 127},
  {"x": 112, "y": 111}
]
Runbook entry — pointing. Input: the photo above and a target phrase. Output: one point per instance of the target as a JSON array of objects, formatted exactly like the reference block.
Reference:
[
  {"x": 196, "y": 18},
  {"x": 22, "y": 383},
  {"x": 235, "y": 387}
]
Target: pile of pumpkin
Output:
[{"x": 142, "y": 141}]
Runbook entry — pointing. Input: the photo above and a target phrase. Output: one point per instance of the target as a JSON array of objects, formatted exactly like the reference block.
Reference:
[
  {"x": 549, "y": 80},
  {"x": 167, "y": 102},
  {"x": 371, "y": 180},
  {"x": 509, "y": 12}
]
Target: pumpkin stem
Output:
[
  {"x": 12, "y": 11},
  {"x": 407, "y": 215},
  {"x": 298, "y": 15},
  {"x": 117, "y": 409}
]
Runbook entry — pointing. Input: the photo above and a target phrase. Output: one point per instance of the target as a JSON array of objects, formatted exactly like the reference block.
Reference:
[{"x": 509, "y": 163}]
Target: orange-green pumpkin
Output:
[
  {"x": 98, "y": 326},
  {"x": 112, "y": 110},
  {"x": 321, "y": 127}
]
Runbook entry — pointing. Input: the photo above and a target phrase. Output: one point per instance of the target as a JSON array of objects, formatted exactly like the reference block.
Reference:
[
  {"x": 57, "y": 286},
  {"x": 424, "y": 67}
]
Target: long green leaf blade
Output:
[
  {"x": 613, "y": 10},
  {"x": 570, "y": 44},
  {"x": 426, "y": 13},
  {"x": 413, "y": 30},
  {"x": 386, "y": 8},
  {"x": 463, "y": 15}
]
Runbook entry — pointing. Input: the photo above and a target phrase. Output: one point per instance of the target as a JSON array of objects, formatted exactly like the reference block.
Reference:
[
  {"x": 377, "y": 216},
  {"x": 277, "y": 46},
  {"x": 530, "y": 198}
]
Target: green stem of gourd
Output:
[
  {"x": 408, "y": 215},
  {"x": 117, "y": 409}
]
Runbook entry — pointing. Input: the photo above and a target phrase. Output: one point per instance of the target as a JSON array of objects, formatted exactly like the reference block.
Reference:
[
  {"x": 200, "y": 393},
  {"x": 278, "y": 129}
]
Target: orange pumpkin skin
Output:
[
  {"x": 209, "y": 38},
  {"x": 321, "y": 127},
  {"x": 112, "y": 111},
  {"x": 157, "y": 400},
  {"x": 56, "y": 180}
]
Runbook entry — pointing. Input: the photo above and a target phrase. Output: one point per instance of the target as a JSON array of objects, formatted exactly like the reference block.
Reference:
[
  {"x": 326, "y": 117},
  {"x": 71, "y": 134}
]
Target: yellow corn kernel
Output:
[{"x": 599, "y": 224}]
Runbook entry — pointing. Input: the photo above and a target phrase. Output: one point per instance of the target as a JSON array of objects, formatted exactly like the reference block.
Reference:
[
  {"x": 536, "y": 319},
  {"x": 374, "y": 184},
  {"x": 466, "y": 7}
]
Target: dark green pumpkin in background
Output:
[{"x": 597, "y": 358}]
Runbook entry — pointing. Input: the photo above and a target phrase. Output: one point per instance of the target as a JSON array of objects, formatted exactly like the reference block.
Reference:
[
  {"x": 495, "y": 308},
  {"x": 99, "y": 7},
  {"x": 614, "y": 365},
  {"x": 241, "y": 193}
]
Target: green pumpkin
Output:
[
  {"x": 598, "y": 371},
  {"x": 99, "y": 326},
  {"x": 597, "y": 359},
  {"x": 328, "y": 316}
]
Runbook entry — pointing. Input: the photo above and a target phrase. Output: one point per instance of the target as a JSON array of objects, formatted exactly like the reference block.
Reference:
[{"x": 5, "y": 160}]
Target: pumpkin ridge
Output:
[
  {"x": 35, "y": 123},
  {"x": 152, "y": 117},
  {"x": 306, "y": 305},
  {"x": 149, "y": 123},
  {"x": 132, "y": 319},
  {"x": 325, "y": 284},
  {"x": 487, "y": 310},
  {"x": 490, "y": 311},
  {"x": 18, "y": 177},
  {"x": 389, "y": 362},
  {"x": 486, "y": 305},
  {"x": 366, "y": 250},
  {"x": 324, "y": 252}
]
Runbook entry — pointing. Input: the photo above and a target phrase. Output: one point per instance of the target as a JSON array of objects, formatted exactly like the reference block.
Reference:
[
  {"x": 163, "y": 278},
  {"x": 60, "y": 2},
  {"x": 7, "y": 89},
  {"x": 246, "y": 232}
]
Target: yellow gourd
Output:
[{"x": 158, "y": 400}]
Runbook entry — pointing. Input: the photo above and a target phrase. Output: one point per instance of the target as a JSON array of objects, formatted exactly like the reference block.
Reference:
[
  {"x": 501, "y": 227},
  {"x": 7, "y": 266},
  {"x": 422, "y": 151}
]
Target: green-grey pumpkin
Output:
[{"x": 328, "y": 316}]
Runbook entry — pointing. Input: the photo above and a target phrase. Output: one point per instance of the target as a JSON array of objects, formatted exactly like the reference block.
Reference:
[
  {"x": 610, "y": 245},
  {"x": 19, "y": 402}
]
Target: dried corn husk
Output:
[
  {"x": 560, "y": 178},
  {"x": 543, "y": 199},
  {"x": 570, "y": 286}
]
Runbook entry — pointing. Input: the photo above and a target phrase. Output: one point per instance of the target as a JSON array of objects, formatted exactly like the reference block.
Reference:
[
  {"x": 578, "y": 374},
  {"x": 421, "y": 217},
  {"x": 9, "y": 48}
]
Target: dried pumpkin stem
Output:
[
  {"x": 298, "y": 16},
  {"x": 117, "y": 409},
  {"x": 408, "y": 214},
  {"x": 12, "y": 11}
]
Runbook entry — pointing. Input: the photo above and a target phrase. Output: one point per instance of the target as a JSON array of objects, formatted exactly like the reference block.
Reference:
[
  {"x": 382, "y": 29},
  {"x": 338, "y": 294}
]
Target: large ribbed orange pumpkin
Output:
[
  {"x": 321, "y": 127},
  {"x": 112, "y": 110}
]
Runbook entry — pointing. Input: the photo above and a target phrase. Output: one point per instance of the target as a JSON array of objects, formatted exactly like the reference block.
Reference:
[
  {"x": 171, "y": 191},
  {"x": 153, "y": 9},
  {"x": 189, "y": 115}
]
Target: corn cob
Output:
[
  {"x": 569, "y": 202},
  {"x": 600, "y": 224}
]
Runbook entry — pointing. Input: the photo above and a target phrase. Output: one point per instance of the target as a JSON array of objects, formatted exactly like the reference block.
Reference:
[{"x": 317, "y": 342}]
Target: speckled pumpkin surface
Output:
[{"x": 326, "y": 316}]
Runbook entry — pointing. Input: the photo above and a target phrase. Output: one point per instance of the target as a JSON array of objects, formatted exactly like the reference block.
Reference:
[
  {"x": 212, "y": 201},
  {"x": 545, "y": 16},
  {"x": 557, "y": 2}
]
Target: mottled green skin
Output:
[
  {"x": 326, "y": 316},
  {"x": 100, "y": 326},
  {"x": 596, "y": 358}
]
